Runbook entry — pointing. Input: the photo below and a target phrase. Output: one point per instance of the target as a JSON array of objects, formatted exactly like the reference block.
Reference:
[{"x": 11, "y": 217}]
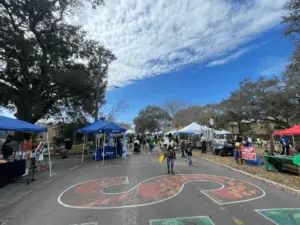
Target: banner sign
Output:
[{"x": 248, "y": 153}]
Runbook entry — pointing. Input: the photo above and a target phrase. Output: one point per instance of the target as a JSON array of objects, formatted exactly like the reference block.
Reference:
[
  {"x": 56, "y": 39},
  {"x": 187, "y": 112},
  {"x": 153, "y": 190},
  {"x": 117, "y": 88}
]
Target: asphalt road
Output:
[{"x": 139, "y": 191}]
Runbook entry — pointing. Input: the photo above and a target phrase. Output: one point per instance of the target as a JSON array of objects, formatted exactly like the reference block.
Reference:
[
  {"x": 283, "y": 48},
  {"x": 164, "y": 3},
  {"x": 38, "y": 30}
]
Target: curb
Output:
[{"x": 254, "y": 176}]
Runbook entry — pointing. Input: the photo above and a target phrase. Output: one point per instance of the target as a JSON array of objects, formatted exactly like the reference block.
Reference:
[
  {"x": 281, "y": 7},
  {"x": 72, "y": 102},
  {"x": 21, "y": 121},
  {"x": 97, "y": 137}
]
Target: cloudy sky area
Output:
[
  {"x": 196, "y": 51},
  {"x": 154, "y": 37}
]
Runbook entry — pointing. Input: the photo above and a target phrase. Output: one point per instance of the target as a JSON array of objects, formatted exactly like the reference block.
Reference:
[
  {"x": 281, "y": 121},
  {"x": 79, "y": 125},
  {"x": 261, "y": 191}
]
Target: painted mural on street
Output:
[
  {"x": 201, "y": 220},
  {"x": 94, "y": 194},
  {"x": 281, "y": 216}
]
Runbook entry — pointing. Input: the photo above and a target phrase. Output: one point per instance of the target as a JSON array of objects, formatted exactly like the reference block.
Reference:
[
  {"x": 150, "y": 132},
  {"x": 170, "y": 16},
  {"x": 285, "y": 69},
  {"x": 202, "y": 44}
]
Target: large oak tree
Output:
[
  {"x": 48, "y": 66},
  {"x": 152, "y": 118}
]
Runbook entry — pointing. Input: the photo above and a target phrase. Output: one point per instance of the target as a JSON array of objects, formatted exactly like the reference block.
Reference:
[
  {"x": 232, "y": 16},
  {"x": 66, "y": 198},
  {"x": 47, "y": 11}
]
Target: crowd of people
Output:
[
  {"x": 165, "y": 146},
  {"x": 168, "y": 145}
]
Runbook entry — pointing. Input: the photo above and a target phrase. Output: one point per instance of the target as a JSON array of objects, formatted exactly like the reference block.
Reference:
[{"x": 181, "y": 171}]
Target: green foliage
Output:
[
  {"x": 292, "y": 19},
  {"x": 201, "y": 115},
  {"x": 41, "y": 57},
  {"x": 151, "y": 119},
  {"x": 69, "y": 130}
]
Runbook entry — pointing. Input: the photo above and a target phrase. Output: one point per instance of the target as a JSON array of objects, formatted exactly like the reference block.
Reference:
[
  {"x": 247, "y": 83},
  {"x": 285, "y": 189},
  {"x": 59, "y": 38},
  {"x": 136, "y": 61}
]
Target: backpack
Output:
[{"x": 171, "y": 152}]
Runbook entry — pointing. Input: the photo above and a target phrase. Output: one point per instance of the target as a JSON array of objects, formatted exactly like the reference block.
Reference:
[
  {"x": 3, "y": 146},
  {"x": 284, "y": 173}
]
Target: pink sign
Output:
[{"x": 248, "y": 153}]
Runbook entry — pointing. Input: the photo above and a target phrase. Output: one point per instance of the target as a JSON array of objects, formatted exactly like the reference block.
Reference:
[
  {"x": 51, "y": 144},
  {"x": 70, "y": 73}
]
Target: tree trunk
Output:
[
  {"x": 239, "y": 128},
  {"x": 272, "y": 144}
]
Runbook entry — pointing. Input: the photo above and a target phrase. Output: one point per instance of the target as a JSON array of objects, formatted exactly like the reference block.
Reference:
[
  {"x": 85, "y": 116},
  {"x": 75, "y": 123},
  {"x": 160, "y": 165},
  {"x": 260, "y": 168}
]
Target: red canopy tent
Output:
[{"x": 295, "y": 130}]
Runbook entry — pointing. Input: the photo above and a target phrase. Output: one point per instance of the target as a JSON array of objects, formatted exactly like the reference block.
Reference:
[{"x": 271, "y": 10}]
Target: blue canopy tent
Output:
[
  {"x": 9, "y": 124},
  {"x": 100, "y": 127},
  {"x": 110, "y": 128},
  {"x": 92, "y": 128}
]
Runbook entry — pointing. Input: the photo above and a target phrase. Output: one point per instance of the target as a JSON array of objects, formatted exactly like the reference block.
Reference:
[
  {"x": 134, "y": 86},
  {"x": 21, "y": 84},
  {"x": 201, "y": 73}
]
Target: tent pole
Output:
[
  {"x": 103, "y": 152},
  {"x": 116, "y": 145},
  {"x": 293, "y": 140},
  {"x": 96, "y": 136},
  {"x": 49, "y": 156},
  {"x": 83, "y": 148}
]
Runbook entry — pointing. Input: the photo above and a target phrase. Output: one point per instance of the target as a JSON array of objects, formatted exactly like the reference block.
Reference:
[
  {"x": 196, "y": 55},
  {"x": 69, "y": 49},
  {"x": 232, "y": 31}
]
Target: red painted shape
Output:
[{"x": 153, "y": 190}]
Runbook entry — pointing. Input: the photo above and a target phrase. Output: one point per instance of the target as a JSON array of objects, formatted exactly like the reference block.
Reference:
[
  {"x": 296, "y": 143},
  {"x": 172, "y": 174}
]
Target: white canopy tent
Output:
[
  {"x": 130, "y": 132},
  {"x": 225, "y": 132},
  {"x": 173, "y": 132},
  {"x": 195, "y": 128},
  {"x": 222, "y": 132}
]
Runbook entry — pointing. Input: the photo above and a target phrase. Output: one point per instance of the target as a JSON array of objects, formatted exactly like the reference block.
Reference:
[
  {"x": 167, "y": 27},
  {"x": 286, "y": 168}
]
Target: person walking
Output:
[
  {"x": 151, "y": 144},
  {"x": 170, "y": 154},
  {"x": 189, "y": 153},
  {"x": 203, "y": 144},
  {"x": 182, "y": 148},
  {"x": 259, "y": 142}
]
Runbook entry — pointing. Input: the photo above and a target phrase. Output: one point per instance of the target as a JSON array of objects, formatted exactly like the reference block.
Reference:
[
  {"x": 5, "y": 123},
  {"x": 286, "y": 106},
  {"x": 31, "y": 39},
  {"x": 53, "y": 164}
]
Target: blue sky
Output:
[
  {"x": 196, "y": 51},
  {"x": 198, "y": 84}
]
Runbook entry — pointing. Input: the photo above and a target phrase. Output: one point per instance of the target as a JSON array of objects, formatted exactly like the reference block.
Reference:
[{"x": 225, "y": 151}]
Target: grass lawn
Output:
[
  {"x": 289, "y": 180},
  {"x": 78, "y": 148}
]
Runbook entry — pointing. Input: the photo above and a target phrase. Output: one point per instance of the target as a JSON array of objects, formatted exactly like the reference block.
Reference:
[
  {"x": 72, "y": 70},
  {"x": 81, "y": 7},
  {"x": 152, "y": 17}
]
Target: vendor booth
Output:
[
  {"x": 130, "y": 132},
  {"x": 109, "y": 151},
  {"x": 289, "y": 163},
  {"x": 197, "y": 129},
  {"x": 194, "y": 130},
  {"x": 14, "y": 167},
  {"x": 102, "y": 129}
]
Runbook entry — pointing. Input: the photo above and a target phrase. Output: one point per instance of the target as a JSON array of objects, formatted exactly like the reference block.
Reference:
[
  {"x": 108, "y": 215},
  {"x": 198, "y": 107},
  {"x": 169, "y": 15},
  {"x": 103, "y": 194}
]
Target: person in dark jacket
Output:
[
  {"x": 119, "y": 146},
  {"x": 7, "y": 147}
]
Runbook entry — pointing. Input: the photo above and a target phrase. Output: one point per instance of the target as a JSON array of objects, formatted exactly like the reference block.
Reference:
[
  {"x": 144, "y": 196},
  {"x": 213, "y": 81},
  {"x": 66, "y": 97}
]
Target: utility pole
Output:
[
  {"x": 98, "y": 89},
  {"x": 97, "y": 97}
]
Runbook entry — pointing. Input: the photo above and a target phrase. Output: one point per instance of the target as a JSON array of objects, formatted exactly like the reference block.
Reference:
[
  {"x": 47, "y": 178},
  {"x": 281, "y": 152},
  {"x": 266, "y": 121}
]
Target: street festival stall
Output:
[
  {"x": 196, "y": 129},
  {"x": 103, "y": 128},
  {"x": 109, "y": 151},
  {"x": 221, "y": 136},
  {"x": 130, "y": 132},
  {"x": 289, "y": 163},
  {"x": 16, "y": 166},
  {"x": 91, "y": 129}
]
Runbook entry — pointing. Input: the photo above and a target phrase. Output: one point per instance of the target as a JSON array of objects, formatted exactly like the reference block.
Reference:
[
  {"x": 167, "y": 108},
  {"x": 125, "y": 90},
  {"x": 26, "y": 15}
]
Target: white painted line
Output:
[
  {"x": 257, "y": 177},
  {"x": 152, "y": 203},
  {"x": 75, "y": 167}
]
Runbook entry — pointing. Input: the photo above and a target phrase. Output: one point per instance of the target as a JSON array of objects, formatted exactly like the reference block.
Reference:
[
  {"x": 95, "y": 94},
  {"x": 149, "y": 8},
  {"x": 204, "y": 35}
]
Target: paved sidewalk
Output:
[{"x": 14, "y": 192}]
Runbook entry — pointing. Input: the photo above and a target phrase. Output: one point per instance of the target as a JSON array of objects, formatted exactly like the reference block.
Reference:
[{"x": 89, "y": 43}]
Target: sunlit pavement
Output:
[{"x": 139, "y": 191}]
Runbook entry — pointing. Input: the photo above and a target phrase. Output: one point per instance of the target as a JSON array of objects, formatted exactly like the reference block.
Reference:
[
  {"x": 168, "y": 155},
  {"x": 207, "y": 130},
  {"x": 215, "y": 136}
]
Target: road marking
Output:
[
  {"x": 107, "y": 197},
  {"x": 183, "y": 220},
  {"x": 90, "y": 223},
  {"x": 75, "y": 167},
  {"x": 237, "y": 220},
  {"x": 281, "y": 216},
  {"x": 257, "y": 177}
]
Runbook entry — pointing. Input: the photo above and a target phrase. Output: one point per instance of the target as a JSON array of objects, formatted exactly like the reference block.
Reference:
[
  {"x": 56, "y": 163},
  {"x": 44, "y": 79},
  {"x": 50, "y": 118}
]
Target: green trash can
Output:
[{"x": 268, "y": 166}]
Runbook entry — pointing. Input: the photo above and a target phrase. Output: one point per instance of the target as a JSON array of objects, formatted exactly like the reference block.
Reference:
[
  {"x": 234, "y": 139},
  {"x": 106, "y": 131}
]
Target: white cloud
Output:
[
  {"x": 154, "y": 37},
  {"x": 228, "y": 58},
  {"x": 234, "y": 55}
]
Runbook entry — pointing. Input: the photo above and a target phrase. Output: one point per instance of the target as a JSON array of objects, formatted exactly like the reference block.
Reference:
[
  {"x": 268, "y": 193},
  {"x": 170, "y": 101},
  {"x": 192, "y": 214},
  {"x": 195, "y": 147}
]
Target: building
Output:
[{"x": 53, "y": 131}]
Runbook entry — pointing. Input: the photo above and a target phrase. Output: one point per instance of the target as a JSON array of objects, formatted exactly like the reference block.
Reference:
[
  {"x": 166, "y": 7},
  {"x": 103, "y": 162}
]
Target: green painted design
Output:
[
  {"x": 282, "y": 216},
  {"x": 201, "y": 220}
]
